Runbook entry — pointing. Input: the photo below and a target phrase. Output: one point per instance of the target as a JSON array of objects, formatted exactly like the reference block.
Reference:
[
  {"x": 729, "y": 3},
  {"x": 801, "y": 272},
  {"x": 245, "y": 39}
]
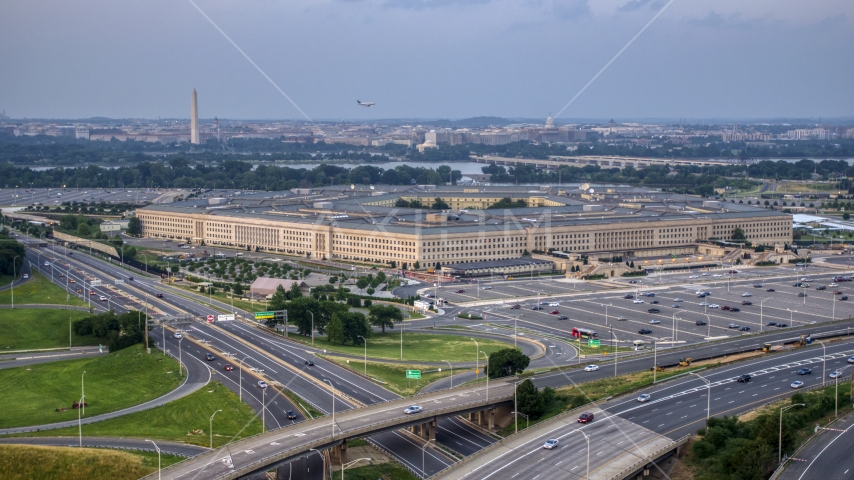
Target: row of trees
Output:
[
  {"x": 117, "y": 331},
  {"x": 9, "y": 250}
]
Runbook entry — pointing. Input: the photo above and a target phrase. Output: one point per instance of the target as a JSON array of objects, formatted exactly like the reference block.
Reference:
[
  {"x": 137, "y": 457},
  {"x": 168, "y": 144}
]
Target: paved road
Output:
[
  {"x": 30, "y": 358},
  {"x": 172, "y": 448},
  {"x": 827, "y": 456},
  {"x": 625, "y": 430},
  {"x": 25, "y": 269}
]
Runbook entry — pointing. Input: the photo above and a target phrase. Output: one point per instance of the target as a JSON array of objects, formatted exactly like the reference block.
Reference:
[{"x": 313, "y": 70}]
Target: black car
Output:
[
  {"x": 654, "y": 302},
  {"x": 798, "y": 284},
  {"x": 844, "y": 297},
  {"x": 291, "y": 415},
  {"x": 747, "y": 302},
  {"x": 782, "y": 325},
  {"x": 536, "y": 307},
  {"x": 744, "y": 378},
  {"x": 209, "y": 357},
  {"x": 654, "y": 310},
  {"x": 770, "y": 290},
  {"x": 734, "y": 309},
  {"x": 644, "y": 331},
  {"x": 802, "y": 294},
  {"x": 805, "y": 371},
  {"x": 563, "y": 317},
  {"x": 745, "y": 329},
  {"x": 629, "y": 297},
  {"x": 159, "y": 295},
  {"x": 771, "y": 324},
  {"x": 309, "y": 363},
  {"x": 757, "y": 285},
  {"x": 702, "y": 295},
  {"x": 701, "y": 323},
  {"x": 822, "y": 287}
]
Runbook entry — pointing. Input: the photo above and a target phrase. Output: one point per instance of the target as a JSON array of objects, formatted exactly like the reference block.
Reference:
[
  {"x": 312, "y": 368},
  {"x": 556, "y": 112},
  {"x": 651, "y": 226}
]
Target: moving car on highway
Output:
[
  {"x": 744, "y": 378},
  {"x": 291, "y": 415},
  {"x": 805, "y": 371},
  {"x": 585, "y": 418},
  {"x": 591, "y": 368},
  {"x": 262, "y": 384},
  {"x": 797, "y": 384},
  {"x": 413, "y": 410},
  {"x": 551, "y": 443},
  {"x": 645, "y": 397}
]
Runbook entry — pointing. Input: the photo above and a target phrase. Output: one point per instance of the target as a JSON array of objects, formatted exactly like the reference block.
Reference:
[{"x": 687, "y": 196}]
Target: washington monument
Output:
[{"x": 194, "y": 119}]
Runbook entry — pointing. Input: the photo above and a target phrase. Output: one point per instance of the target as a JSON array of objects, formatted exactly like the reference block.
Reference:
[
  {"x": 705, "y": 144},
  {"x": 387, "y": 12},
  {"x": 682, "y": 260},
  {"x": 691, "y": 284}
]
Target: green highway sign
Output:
[
  {"x": 593, "y": 342},
  {"x": 264, "y": 315},
  {"x": 413, "y": 374}
]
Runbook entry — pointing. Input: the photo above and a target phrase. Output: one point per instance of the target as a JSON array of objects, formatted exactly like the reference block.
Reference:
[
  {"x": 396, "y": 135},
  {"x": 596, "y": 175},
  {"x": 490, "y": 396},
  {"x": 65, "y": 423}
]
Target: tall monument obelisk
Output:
[{"x": 194, "y": 120}]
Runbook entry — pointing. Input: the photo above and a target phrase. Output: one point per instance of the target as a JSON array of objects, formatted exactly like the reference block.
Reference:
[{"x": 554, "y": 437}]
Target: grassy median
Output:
[
  {"x": 39, "y": 290},
  {"x": 419, "y": 347},
  {"x": 26, "y": 462},
  {"x": 184, "y": 420},
  {"x": 32, "y": 395},
  {"x": 34, "y": 328},
  {"x": 394, "y": 375}
]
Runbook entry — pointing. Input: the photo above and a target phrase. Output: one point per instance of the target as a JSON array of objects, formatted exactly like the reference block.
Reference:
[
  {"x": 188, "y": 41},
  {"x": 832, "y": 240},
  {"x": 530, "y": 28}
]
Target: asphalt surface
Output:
[
  {"x": 30, "y": 358},
  {"x": 827, "y": 456},
  {"x": 626, "y": 427}
]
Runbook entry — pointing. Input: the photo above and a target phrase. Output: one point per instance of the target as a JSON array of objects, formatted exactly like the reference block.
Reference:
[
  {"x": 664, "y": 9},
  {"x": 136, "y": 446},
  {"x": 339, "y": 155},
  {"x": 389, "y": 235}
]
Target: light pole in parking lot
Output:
[
  {"x": 80, "y": 422},
  {"x": 780, "y": 443},
  {"x": 614, "y": 337},
  {"x": 675, "y": 331},
  {"x": 833, "y": 301},
  {"x": 83, "y": 389},
  {"x": 791, "y": 317},
  {"x": 606, "y": 313},
  {"x": 654, "y": 359},
  {"x": 823, "y": 361},
  {"x": 709, "y": 326},
  {"x": 180, "y": 357},
  {"x": 14, "y": 277},
  {"x": 514, "y": 330},
  {"x": 761, "y": 308},
  {"x": 708, "y": 394}
]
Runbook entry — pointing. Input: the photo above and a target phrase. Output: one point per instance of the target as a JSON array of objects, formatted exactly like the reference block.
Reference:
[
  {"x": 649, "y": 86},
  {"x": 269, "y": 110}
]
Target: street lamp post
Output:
[
  {"x": 158, "y": 457},
  {"x": 823, "y": 362},
  {"x": 675, "y": 331},
  {"x": 423, "y": 450},
  {"x": 210, "y": 427},
  {"x": 83, "y": 389},
  {"x": 708, "y": 394},
  {"x": 333, "y": 405},
  {"x": 452, "y": 372},
  {"x": 654, "y": 359},
  {"x": 780, "y": 443},
  {"x": 366, "y": 354},
  {"x": 312, "y": 328},
  {"x": 587, "y": 475},
  {"x": 263, "y": 410},
  {"x": 606, "y": 313},
  {"x": 761, "y": 308},
  {"x": 487, "y": 374},
  {"x": 615, "y": 350},
  {"x": 350, "y": 464},
  {"x": 476, "y": 359},
  {"x": 80, "y": 422},
  {"x": 240, "y": 380}
]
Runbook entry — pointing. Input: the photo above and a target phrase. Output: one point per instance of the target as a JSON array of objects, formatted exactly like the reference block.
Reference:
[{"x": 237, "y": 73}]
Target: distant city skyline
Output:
[{"x": 429, "y": 59}]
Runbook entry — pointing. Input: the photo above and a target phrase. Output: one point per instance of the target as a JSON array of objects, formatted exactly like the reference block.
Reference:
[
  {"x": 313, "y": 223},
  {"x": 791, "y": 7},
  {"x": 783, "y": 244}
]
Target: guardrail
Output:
[
  {"x": 624, "y": 473},
  {"x": 245, "y": 443}
]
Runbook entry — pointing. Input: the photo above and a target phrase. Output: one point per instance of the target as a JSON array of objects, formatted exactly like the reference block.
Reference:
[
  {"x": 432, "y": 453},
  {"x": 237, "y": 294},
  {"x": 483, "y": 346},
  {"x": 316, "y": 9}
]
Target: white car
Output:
[
  {"x": 262, "y": 384},
  {"x": 850, "y": 359},
  {"x": 591, "y": 368},
  {"x": 654, "y": 321},
  {"x": 833, "y": 285},
  {"x": 677, "y": 299},
  {"x": 835, "y": 374},
  {"x": 694, "y": 276},
  {"x": 714, "y": 305},
  {"x": 178, "y": 335},
  {"x": 717, "y": 275},
  {"x": 638, "y": 301},
  {"x": 706, "y": 274},
  {"x": 644, "y": 398},
  {"x": 797, "y": 384},
  {"x": 551, "y": 443},
  {"x": 554, "y": 304},
  {"x": 703, "y": 304},
  {"x": 746, "y": 294},
  {"x": 102, "y": 298},
  {"x": 413, "y": 410},
  {"x": 486, "y": 288}
]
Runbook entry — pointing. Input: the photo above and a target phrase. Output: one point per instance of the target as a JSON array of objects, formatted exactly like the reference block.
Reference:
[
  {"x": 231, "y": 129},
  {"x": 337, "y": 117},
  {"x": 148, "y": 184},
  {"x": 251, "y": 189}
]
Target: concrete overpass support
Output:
[
  {"x": 491, "y": 418},
  {"x": 338, "y": 453},
  {"x": 434, "y": 424}
]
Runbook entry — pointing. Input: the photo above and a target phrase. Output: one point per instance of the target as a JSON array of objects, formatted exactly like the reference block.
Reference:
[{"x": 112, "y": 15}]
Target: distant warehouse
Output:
[{"x": 510, "y": 266}]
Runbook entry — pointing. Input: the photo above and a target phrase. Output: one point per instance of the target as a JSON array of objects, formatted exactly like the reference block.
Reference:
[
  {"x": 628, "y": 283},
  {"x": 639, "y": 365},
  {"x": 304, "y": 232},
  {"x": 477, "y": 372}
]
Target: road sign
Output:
[
  {"x": 593, "y": 342},
  {"x": 413, "y": 374},
  {"x": 210, "y": 318},
  {"x": 223, "y": 318},
  {"x": 264, "y": 315},
  {"x": 120, "y": 282},
  {"x": 95, "y": 283}
]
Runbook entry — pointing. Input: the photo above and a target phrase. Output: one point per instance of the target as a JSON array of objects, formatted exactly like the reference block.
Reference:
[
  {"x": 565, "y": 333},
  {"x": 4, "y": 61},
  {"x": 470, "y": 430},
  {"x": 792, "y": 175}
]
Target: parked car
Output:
[
  {"x": 487, "y": 287},
  {"x": 413, "y": 409},
  {"x": 516, "y": 307},
  {"x": 675, "y": 305},
  {"x": 746, "y": 294},
  {"x": 461, "y": 291},
  {"x": 621, "y": 318},
  {"x": 563, "y": 317},
  {"x": 628, "y": 296},
  {"x": 782, "y": 325},
  {"x": 551, "y": 443},
  {"x": 591, "y": 368},
  {"x": 733, "y": 325},
  {"x": 638, "y": 301},
  {"x": 714, "y": 305},
  {"x": 837, "y": 292},
  {"x": 821, "y": 287},
  {"x": 747, "y": 302},
  {"x": 554, "y": 304},
  {"x": 833, "y": 285},
  {"x": 745, "y": 329},
  {"x": 743, "y": 378},
  {"x": 585, "y": 417},
  {"x": 734, "y": 309},
  {"x": 694, "y": 276},
  {"x": 654, "y": 302},
  {"x": 700, "y": 323},
  {"x": 650, "y": 294},
  {"x": 677, "y": 299},
  {"x": 757, "y": 285},
  {"x": 536, "y": 307},
  {"x": 644, "y": 397},
  {"x": 771, "y": 324},
  {"x": 554, "y": 312},
  {"x": 654, "y": 310},
  {"x": 844, "y": 297},
  {"x": 726, "y": 307},
  {"x": 770, "y": 290},
  {"x": 802, "y": 294},
  {"x": 644, "y": 331},
  {"x": 654, "y": 321}
]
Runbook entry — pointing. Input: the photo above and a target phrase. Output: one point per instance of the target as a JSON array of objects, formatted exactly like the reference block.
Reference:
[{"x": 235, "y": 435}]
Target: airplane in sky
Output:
[{"x": 365, "y": 104}]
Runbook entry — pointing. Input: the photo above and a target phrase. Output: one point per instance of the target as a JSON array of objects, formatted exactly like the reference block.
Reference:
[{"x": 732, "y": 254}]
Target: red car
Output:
[
  {"x": 585, "y": 418},
  {"x": 837, "y": 292},
  {"x": 554, "y": 312},
  {"x": 461, "y": 291},
  {"x": 228, "y": 367},
  {"x": 516, "y": 307}
]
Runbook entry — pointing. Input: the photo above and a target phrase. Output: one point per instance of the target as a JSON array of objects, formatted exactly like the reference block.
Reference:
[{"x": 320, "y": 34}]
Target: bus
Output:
[
  {"x": 583, "y": 333},
  {"x": 638, "y": 345}
]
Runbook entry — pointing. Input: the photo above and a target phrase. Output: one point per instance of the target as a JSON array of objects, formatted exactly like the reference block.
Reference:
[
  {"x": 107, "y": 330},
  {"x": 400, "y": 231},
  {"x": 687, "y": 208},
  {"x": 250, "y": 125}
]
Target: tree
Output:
[
  {"x": 846, "y": 216},
  {"x": 174, "y": 268},
  {"x": 370, "y": 290},
  {"x": 279, "y": 299},
  {"x": 416, "y": 265},
  {"x": 134, "y": 227},
  {"x": 83, "y": 230},
  {"x": 439, "y": 204},
  {"x": 335, "y": 331},
  {"x": 237, "y": 288},
  {"x": 529, "y": 400},
  {"x": 384, "y": 316},
  {"x": 362, "y": 283},
  {"x": 506, "y": 362},
  {"x": 333, "y": 280},
  {"x": 354, "y": 325},
  {"x": 294, "y": 291},
  {"x": 298, "y": 314},
  {"x": 738, "y": 235}
]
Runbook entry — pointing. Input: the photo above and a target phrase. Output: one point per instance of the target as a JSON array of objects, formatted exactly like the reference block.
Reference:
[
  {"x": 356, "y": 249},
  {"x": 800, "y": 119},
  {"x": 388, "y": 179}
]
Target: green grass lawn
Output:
[
  {"x": 424, "y": 347},
  {"x": 33, "y": 328},
  {"x": 32, "y": 394},
  {"x": 5, "y": 280},
  {"x": 395, "y": 375},
  {"x": 26, "y": 462},
  {"x": 390, "y": 471},
  {"x": 184, "y": 420},
  {"x": 38, "y": 290}
]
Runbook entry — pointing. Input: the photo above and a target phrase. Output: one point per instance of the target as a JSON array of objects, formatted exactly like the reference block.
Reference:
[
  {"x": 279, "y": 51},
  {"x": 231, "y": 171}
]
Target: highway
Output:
[
  {"x": 624, "y": 429},
  {"x": 828, "y": 456}
]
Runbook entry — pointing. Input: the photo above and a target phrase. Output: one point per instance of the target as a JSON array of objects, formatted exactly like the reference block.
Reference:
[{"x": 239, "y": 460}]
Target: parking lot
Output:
[
  {"x": 678, "y": 305},
  {"x": 56, "y": 196}
]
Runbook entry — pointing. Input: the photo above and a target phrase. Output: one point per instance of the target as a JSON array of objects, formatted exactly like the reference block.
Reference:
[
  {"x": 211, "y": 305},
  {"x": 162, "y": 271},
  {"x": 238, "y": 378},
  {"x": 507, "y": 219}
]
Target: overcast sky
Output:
[{"x": 427, "y": 58}]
